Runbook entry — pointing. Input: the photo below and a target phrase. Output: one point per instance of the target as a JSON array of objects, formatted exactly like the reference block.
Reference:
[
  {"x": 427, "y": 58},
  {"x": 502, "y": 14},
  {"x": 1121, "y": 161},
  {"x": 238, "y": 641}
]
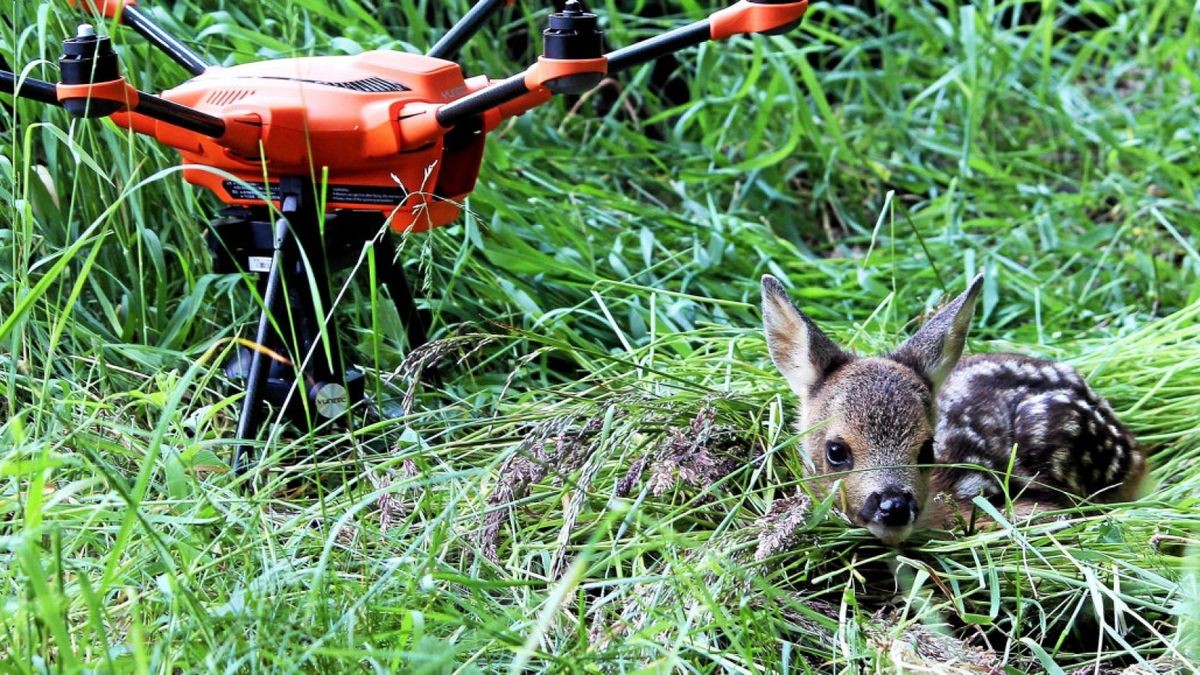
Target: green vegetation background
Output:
[{"x": 592, "y": 488}]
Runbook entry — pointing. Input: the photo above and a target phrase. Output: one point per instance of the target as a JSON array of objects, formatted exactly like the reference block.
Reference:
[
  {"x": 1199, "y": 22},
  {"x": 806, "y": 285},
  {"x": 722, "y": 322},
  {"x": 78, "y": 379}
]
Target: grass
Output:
[{"x": 608, "y": 478}]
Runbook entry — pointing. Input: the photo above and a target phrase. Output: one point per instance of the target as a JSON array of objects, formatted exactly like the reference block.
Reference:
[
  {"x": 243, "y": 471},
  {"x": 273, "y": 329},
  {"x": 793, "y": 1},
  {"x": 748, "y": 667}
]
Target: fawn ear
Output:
[
  {"x": 799, "y": 349},
  {"x": 934, "y": 350}
]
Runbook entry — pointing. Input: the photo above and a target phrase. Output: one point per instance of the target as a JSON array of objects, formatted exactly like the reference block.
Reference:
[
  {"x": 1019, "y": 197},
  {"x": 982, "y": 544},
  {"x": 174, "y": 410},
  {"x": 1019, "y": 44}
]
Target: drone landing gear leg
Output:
[
  {"x": 331, "y": 388},
  {"x": 414, "y": 320},
  {"x": 296, "y": 363},
  {"x": 311, "y": 382},
  {"x": 259, "y": 371},
  {"x": 392, "y": 275}
]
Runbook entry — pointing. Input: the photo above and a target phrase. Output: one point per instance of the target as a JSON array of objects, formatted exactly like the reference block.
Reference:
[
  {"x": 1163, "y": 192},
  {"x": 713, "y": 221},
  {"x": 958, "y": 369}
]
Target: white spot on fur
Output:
[
  {"x": 970, "y": 486},
  {"x": 959, "y": 386},
  {"x": 956, "y": 435},
  {"x": 1058, "y": 463},
  {"x": 1111, "y": 472},
  {"x": 986, "y": 367},
  {"x": 973, "y": 459},
  {"x": 1034, "y": 414}
]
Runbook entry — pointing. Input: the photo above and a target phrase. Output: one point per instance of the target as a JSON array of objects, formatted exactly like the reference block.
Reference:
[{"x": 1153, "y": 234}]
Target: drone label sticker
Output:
[
  {"x": 332, "y": 400},
  {"x": 259, "y": 263},
  {"x": 336, "y": 194}
]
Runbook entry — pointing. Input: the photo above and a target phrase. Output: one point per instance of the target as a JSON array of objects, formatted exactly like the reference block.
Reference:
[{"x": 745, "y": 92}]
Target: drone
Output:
[{"x": 314, "y": 157}]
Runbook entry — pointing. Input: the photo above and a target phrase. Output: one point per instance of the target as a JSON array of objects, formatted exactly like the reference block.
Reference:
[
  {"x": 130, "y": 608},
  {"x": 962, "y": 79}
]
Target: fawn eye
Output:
[
  {"x": 926, "y": 455},
  {"x": 838, "y": 454}
]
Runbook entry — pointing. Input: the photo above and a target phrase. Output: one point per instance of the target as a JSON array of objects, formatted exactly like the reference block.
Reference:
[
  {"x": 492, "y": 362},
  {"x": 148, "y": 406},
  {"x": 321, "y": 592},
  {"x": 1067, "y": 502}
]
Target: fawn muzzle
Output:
[{"x": 891, "y": 507}]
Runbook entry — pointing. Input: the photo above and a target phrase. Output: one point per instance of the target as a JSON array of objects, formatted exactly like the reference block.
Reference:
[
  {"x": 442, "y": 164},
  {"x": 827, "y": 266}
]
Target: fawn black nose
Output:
[{"x": 891, "y": 507}]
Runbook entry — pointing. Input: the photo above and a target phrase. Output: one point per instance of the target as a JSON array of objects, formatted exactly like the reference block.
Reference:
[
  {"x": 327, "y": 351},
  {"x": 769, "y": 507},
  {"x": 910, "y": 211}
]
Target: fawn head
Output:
[{"x": 869, "y": 421}]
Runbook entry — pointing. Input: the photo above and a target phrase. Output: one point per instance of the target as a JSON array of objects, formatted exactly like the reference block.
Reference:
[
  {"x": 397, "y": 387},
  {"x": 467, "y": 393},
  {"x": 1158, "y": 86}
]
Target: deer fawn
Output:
[{"x": 894, "y": 427}]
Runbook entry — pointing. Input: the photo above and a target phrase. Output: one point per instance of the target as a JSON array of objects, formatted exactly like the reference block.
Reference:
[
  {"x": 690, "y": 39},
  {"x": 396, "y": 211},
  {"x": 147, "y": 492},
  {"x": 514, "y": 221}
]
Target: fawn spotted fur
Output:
[{"x": 899, "y": 429}]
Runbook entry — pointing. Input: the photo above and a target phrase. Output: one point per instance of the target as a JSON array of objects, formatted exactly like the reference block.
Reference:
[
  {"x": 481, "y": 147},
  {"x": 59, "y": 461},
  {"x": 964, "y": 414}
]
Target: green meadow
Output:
[{"x": 593, "y": 467}]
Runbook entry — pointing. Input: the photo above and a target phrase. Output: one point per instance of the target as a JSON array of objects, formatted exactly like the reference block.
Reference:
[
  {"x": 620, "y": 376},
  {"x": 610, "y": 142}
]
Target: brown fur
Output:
[{"x": 981, "y": 413}]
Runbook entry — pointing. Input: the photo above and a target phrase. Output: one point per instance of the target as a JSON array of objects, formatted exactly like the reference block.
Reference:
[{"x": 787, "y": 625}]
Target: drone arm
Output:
[
  {"x": 495, "y": 96},
  {"x": 472, "y": 21},
  {"x": 128, "y": 13},
  {"x": 129, "y": 108},
  {"x": 515, "y": 95},
  {"x": 164, "y": 41},
  {"x": 88, "y": 57},
  {"x": 34, "y": 90},
  {"x": 162, "y": 110}
]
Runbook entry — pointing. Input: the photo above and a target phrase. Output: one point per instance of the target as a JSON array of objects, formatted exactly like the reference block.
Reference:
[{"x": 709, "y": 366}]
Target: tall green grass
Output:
[{"x": 608, "y": 478}]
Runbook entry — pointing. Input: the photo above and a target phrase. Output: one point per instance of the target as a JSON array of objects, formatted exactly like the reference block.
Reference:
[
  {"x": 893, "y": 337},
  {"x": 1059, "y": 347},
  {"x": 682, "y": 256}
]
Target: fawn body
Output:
[{"x": 898, "y": 429}]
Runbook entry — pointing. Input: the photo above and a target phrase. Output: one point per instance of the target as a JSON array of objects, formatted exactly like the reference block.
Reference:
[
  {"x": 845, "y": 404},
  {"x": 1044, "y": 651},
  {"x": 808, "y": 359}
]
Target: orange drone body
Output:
[
  {"x": 391, "y": 132},
  {"x": 336, "y": 119},
  {"x": 365, "y": 129}
]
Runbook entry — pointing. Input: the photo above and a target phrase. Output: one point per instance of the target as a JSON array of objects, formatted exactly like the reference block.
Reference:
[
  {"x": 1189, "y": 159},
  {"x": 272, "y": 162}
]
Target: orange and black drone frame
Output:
[
  {"x": 378, "y": 137},
  {"x": 396, "y": 133}
]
